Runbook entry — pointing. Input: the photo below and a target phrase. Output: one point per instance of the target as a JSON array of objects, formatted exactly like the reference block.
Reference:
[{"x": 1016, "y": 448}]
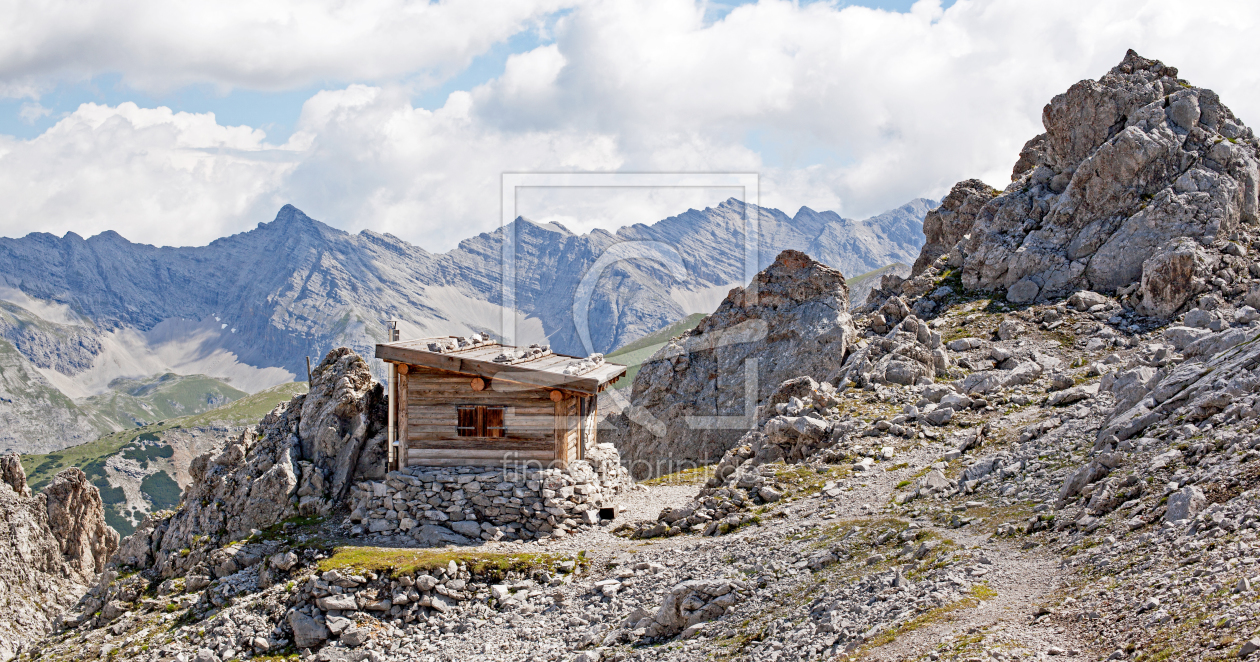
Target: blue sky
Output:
[{"x": 401, "y": 116}]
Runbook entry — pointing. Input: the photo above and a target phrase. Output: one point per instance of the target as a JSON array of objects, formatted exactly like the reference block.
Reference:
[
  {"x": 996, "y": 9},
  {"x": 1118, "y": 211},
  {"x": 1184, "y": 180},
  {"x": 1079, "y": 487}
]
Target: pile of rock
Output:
[
  {"x": 583, "y": 366},
  {"x": 909, "y": 354},
  {"x": 511, "y": 355},
  {"x": 455, "y": 343},
  {"x": 690, "y": 603},
  {"x": 328, "y": 604},
  {"x": 1104, "y": 201},
  {"x": 459, "y": 505}
]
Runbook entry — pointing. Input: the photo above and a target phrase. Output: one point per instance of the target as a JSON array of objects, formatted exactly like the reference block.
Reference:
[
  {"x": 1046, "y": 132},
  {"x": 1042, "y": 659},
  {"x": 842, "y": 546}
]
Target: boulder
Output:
[
  {"x": 695, "y": 601},
  {"x": 1185, "y": 503},
  {"x": 76, "y": 517},
  {"x": 1183, "y": 336},
  {"x": 1085, "y": 299},
  {"x": 13, "y": 475},
  {"x": 307, "y": 632},
  {"x": 1173, "y": 276}
]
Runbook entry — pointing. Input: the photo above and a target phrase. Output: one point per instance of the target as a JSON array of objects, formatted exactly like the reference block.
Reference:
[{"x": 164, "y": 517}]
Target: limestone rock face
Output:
[
  {"x": 949, "y": 223},
  {"x": 299, "y": 460},
  {"x": 1129, "y": 165},
  {"x": 12, "y": 474},
  {"x": 76, "y": 517},
  {"x": 51, "y": 546},
  {"x": 697, "y": 396},
  {"x": 1172, "y": 276}
]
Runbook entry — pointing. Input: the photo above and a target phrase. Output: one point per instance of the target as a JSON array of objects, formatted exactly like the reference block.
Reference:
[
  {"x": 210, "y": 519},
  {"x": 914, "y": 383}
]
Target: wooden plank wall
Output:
[
  {"x": 430, "y": 415},
  {"x": 590, "y": 424},
  {"x": 575, "y": 430}
]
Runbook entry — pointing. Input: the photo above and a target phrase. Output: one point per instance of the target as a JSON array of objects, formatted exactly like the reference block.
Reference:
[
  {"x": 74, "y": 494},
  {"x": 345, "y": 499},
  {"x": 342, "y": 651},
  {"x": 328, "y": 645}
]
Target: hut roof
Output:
[{"x": 534, "y": 365}]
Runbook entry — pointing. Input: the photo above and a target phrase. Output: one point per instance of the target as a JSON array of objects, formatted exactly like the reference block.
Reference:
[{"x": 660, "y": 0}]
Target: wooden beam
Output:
[
  {"x": 441, "y": 453},
  {"x": 456, "y": 444},
  {"x": 471, "y": 462},
  {"x": 418, "y": 436},
  {"x": 401, "y": 402}
]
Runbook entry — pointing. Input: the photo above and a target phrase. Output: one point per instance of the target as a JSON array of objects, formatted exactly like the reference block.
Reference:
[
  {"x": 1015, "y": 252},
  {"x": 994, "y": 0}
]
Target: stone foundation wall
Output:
[{"x": 457, "y": 505}]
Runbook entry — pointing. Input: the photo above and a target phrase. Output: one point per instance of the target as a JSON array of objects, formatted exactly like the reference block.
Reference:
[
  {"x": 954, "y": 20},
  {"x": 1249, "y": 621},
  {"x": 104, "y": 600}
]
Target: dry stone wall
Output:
[{"x": 459, "y": 505}]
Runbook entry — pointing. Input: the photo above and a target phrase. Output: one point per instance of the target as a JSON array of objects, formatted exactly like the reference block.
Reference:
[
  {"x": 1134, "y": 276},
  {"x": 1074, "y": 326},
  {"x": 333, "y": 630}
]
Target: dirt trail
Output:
[{"x": 1021, "y": 581}]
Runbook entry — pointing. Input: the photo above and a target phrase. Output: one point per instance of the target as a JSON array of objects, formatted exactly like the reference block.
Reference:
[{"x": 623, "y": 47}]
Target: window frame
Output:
[{"x": 481, "y": 422}]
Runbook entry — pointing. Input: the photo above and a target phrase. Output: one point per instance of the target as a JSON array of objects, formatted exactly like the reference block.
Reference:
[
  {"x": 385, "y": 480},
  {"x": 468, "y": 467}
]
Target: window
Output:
[{"x": 480, "y": 421}]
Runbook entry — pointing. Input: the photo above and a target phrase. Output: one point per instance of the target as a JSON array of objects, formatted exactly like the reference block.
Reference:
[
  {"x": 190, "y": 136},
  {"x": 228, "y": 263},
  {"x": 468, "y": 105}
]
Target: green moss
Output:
[
  {"x": 975, "y": 596},
  {"x": 147, "y": 453},
  {"x": 114, "y": 518}
]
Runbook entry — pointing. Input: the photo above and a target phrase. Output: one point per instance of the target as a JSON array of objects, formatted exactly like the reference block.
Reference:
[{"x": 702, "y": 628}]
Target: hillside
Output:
[
  {"x": 145, "y": 468},
  {"x": 139, "y": 402},
  {"x": 635, "y": 353}
]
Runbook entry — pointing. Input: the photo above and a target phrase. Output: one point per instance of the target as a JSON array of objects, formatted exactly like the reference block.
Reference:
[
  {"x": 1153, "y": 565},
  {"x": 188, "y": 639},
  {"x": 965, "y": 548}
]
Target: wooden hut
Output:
[{"x": 459, "y": 401}]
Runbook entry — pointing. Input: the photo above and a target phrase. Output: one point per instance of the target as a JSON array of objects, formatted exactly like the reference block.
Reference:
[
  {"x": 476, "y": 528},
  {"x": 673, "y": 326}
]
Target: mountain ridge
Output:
[{"x": 249, "y": 308}]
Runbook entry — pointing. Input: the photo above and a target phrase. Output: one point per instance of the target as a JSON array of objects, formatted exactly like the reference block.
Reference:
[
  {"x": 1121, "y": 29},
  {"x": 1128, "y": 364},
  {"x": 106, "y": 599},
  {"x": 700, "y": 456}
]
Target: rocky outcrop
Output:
[
  {"x": 300, "y": 460},
  {"x": 76, "y": 517},
  {"x": 949, "y": 223},
  {"x": 51, "y": 546},
  {"x": 12, "y": 474},
  {"x": 1133, "y": 171},
  {"x": 697, "y": 396}
]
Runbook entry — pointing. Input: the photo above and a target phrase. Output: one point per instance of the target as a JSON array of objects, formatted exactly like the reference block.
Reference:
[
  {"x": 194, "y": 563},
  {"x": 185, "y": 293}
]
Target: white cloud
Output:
[
  {"x": 150, "y": 174},
  {"x": 259, "y": 44},
  {"x": 848, "y": 109},
  {"x": 32, "y": 111}
]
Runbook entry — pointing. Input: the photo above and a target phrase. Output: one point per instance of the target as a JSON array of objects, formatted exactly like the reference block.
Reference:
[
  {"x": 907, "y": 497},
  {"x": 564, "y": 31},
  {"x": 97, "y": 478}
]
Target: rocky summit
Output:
[
  {"x": 696, "y": 396},
  {"x": 1042, "y": 444},
  {"x": 1139, "y": 188}
]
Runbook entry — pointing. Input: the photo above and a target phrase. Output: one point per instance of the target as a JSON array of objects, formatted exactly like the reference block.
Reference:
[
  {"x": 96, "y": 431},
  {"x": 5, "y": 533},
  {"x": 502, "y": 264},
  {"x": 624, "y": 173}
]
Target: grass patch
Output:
[
  {"x": 803, "y": 480},
  {"x": 399, "y": 562},
  {"x": 977, "y": 594},
  {"x": 692, "y": 476}
]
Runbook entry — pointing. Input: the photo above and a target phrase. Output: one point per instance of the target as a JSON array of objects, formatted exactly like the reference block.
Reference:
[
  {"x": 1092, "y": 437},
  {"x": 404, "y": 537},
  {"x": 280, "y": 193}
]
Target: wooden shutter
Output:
[
  {"x": 468, "y": 423},
  {"x": 492, "y": 419}
]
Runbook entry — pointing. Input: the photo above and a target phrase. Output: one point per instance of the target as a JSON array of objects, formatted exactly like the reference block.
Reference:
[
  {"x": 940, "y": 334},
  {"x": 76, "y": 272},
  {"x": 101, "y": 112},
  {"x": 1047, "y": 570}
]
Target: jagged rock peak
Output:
[
  {"x": 1128, "y": 165},
  {"x": 948, "y": 224},
  {"x": 13, "y": 475},
  {"x": 791, "y": 320},
  {"x": 52, "y": 546},
  {"x": 76, "y": 517},
  {"x": 299, "y": 460},
  {"x": 793, "y": 278}
]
